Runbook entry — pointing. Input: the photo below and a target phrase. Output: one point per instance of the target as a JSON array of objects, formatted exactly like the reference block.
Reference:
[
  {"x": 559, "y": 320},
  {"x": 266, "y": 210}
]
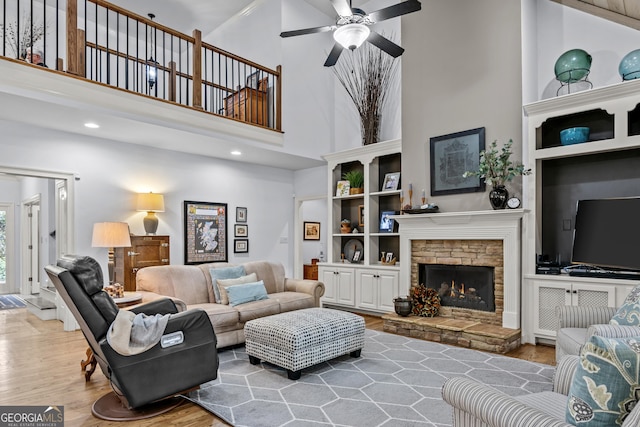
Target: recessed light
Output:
[
  {"x": 236, "y": 153},
  {"x": 91, "y": 125}
]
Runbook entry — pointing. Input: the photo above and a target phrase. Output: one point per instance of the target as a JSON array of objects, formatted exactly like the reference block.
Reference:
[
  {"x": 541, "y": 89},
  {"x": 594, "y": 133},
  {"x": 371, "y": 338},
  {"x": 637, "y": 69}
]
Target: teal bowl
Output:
[
  {"x": 575, "y": 135},
  {"x": 573, "y": 66}
]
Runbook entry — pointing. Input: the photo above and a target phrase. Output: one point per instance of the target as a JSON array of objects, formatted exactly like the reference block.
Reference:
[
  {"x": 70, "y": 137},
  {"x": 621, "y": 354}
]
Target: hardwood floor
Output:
[{"x": 40, "y": 365}]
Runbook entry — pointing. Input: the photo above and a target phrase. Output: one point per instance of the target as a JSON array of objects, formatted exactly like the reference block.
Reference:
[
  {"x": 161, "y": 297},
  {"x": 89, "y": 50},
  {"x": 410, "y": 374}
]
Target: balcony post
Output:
[
  {"x": 197, "y": 69},
  {"x": 172, "y": 81},
  {"x": 80, "y": 53},
  {"x": 279, "y": 98},
  {"x": 72, "y": 40}
]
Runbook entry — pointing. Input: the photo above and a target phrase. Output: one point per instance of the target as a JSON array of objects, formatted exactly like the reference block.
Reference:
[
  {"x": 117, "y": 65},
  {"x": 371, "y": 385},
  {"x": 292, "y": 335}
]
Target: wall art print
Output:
[
  {"x": 205, "y": 232},
  {"x": 450, "y": 157}
]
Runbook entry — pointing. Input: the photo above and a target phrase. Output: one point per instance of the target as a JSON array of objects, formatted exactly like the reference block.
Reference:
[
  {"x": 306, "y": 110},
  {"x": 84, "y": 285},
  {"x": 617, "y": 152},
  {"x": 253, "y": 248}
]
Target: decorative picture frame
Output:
[
  {"x": 342, "y": 188},
  {"x": 450, "y": 156},
  {"x": 241, "y": 214},
  {"x": 389, "y": 257},
  {"x": 391, "y": 181},
  {"x": 387, "y": 224},
  {"x": 205, "y": 232},
  {"x": 356, "y": 256},
  {"x": 360, "y": 215},
  {"x": 311, "y": 230},
  {"x": 241, "y": 246},
  {"x": 240, "y": 230}
]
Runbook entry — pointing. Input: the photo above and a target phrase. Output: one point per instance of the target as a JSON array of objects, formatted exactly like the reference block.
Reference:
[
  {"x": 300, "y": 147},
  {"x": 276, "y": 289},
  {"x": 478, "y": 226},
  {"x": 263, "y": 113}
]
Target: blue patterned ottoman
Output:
[{"x": 298, "y": 339}]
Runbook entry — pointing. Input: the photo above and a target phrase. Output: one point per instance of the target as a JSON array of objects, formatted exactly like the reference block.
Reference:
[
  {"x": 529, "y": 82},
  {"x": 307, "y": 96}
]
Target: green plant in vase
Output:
[
  {"x": 497, "y": 168},
  {"x": 356, "y": 181}
]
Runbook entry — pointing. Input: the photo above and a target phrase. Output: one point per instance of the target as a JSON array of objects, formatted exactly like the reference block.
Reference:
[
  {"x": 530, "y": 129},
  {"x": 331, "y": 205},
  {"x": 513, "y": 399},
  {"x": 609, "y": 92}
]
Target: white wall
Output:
[
  {"x": 315, "y": 211},
  {"x": 112, "y": 173}
]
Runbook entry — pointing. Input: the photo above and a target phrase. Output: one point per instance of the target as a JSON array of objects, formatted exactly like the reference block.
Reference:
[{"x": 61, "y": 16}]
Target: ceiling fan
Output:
[{"x": 352, "y": 28}]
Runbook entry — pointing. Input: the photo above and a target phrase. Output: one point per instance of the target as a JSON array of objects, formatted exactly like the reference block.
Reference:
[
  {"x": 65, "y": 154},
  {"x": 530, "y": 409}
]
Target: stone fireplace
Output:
[
  {"x": 473, "y": 259},
  {"x": 480, "y": 238}
]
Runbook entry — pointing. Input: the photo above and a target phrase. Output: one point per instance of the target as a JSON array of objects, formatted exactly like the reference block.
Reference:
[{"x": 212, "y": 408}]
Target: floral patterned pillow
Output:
[
  {"x": 606, "y": 385},
  {"x": 629, "y": 313}
]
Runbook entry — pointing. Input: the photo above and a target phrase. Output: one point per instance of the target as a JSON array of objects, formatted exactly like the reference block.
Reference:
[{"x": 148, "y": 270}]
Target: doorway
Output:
[
  {"x": 7, "y": 225},
  {"x": 310, "y": 209},
  {"x": 30, "y": 244}
]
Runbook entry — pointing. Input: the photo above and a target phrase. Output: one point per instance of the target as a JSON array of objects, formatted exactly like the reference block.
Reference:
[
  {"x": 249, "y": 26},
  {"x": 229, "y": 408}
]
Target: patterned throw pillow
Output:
[
  {"x": 606, "y": 385},
  {"x": 223, "y": 284},
  {"x": 629, "y": 313},
  {"x": 224, "y": 273}
]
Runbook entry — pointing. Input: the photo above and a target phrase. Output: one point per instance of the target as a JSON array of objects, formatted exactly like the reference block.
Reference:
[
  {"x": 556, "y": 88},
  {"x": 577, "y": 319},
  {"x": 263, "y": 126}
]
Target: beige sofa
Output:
[{"x": 190, "y": 286}]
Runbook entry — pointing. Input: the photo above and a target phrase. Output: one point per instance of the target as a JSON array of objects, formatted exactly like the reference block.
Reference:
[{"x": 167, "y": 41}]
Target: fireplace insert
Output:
[{"x": 462, "y": 286}]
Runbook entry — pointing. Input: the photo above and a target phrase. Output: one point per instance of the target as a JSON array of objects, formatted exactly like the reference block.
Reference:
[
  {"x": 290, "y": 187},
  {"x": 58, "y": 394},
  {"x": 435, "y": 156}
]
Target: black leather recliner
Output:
[{"x": 150, "y": 376}]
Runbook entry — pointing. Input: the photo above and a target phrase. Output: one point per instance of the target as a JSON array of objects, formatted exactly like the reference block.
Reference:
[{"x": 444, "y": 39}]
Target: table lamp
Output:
[
  {"x": 150, "y": 203},
  {"x": 111, "y": 235}
]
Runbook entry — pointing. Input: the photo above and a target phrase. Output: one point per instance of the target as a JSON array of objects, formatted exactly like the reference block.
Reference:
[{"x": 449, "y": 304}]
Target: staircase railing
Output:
[{"x": 110, "y": 45}]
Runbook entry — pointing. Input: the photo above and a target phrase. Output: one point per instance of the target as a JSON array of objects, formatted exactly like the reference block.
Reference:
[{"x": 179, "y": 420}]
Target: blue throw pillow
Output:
[
  {"x": 629, "y": 313},
  {"x": 247, "y": 292},
  {"x": 224, "y": 273},
  {"x": 606, "y": 385}
]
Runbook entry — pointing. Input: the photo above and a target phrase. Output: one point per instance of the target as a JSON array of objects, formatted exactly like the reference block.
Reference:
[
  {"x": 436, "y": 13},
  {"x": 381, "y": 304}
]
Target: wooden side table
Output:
[
  {"x": 88, "y": 366},
  {"x": 310, "y": 271}
]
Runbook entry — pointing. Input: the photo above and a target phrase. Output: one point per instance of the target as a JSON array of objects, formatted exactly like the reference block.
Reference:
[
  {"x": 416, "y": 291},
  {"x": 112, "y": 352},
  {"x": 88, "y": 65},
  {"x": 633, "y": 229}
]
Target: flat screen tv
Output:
[{"x": 607, "y": 234}]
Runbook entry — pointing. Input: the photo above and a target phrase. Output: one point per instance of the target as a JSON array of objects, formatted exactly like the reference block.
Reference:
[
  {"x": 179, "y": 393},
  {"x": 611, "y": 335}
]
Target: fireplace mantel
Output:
[{"x": 502, "y": 225}]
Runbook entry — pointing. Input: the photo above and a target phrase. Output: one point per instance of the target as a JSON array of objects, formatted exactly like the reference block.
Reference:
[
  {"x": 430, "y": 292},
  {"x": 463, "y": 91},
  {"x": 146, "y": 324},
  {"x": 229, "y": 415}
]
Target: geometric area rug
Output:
[
  {"x": 395, "y": 382},
  {"x": 7, "y": 302}
]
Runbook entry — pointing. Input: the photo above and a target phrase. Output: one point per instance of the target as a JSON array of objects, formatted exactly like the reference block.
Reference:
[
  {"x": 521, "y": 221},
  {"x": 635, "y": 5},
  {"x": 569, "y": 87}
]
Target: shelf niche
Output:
[{"x": 599, "y": 121}]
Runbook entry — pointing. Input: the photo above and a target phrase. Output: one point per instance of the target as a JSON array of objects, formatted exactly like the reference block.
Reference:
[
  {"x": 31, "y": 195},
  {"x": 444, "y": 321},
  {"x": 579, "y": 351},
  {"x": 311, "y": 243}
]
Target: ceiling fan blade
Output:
[
  {"x": 333, "y": 55},
  {"x": 308, "y": 31},
  {"x": 342, "y": 7},
  {"x": 395, "y": 10},
  {"x": 385, "y": 44}
]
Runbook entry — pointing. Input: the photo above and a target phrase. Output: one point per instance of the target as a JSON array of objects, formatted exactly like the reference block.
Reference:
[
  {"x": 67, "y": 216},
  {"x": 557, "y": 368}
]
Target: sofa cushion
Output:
[
  {"x": 290, "y": 301},
  {"x": 224, "y": 273},
  {"x": 629, "y": 312},
  {"x": 221, "y": 316},
  {"x": 181, "y": 281},
  {"x": 606, "y": 385},
  {"x": 271, "y": 273},
  {"x": 258, "y": 309},
  {"x": 247, "y": 292},
  {"x": 225, "y": 283}
]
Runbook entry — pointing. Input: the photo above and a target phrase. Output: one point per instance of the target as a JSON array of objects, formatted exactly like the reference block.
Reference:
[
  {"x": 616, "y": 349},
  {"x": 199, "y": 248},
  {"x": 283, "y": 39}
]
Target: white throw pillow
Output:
[{"x": 224, "y": 283}]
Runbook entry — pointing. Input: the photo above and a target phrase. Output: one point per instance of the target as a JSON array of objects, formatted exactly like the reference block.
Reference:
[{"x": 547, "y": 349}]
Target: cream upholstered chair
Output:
[{"x": 478, "y": 405}]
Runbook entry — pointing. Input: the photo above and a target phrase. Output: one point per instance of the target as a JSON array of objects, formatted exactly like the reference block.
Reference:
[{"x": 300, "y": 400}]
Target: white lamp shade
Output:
[
  {"x": 351, "y": 36},
  {"x": 150, "y": 202},
  {"x": 111, "y": 235}
]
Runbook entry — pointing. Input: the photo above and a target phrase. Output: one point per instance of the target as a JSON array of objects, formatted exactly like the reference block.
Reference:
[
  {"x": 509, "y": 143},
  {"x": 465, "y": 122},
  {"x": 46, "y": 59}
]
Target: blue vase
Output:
[
  {"x": 629, "y": 67},
  {"x": 573, "y": 66}
]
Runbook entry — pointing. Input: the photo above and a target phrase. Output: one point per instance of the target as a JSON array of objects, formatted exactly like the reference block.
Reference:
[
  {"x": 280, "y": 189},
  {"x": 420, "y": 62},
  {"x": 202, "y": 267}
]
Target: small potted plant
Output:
[
  {"x": 497, "y": 168},
  {"x": 345, "y": 226},
  {"x": 356, "y": 181}
]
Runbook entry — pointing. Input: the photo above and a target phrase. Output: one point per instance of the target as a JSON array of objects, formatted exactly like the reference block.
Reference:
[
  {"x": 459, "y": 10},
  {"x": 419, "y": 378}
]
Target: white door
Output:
[
  {"x": 31, "y": 245},
  {"x": 7, "y": 253}
]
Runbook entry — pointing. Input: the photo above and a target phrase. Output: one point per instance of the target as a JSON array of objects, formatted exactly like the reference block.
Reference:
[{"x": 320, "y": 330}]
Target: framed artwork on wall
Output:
[
  {"x": 311, "y": 230},
  {"x": 205, "y": 232},
  {"x": 240, "y": 230},
  {"x": 241, "y": 214},
  {"x": 450, "y": 157},
  {"x": 240, "y": 246}
]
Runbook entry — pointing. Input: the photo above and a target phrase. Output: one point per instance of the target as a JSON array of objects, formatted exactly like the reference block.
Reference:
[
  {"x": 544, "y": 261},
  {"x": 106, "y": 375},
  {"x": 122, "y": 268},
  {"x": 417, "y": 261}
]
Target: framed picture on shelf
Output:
[
  {"x": 241, "y": 214},
  {"x": 450, "y": 157},
  {"x": 360, "y": 215},
  {"x": 240, "y": 230},
  {"x": 356, "y": 256},
  {"x": 240, "y": 246},
  {"x": 391, "y": 181},
  {"x": 389, "y": 257},
  {"x": 311, "y": 230},
  {"x": 386, "y": 222},
  {"x": 205, "y": 232},
  {"x": 342, "y": 188}
]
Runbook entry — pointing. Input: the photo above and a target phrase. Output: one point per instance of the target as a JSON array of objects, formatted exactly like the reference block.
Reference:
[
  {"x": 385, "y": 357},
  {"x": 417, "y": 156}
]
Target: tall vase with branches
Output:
[
  {"x": 367, "y": 74},
  {"x": 18, "y": 38}
]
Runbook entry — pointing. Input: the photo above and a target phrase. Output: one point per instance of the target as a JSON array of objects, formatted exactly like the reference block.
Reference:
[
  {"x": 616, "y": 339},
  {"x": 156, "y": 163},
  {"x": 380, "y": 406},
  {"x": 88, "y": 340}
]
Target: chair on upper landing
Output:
[
  {"x": 144, "y": 384},
  {"x": 577, "y": 323}
]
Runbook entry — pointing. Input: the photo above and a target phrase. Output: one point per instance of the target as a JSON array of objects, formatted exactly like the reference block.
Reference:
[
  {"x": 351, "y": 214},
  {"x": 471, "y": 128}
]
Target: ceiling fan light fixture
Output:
[{"x": 351, "y": 36}]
